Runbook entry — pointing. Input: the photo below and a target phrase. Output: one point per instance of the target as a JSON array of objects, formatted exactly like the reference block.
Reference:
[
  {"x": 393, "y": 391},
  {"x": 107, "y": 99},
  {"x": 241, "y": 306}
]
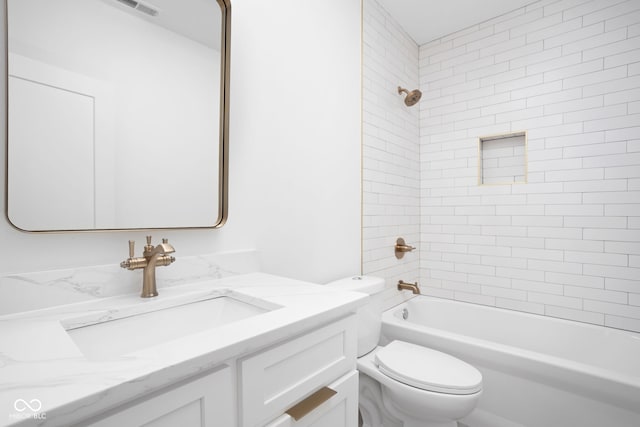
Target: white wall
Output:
[
  {"x": 391, "y": 167},
  {"x": 295, "y": 152},
  {"x": 567, "y": 243}
]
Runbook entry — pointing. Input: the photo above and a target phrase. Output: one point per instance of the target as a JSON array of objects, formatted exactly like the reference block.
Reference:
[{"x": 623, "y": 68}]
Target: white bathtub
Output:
[{"x": 537, "y": 371}]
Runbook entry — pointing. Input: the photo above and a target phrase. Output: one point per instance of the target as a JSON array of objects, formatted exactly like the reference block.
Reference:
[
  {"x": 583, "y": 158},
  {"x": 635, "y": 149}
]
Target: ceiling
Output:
[
  {"x": 423, "y": 20},
  {"x": 198, "y": 20},
  {"x": 427, "y": 20}
]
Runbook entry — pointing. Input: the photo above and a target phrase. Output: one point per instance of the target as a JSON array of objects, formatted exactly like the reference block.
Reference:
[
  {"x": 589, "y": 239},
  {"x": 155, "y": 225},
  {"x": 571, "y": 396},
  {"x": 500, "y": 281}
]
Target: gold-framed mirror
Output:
[{"x": 117, "y": 114}]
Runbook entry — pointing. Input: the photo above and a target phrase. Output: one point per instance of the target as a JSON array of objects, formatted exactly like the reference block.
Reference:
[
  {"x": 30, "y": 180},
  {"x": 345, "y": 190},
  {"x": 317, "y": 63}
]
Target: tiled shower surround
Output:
[
  {"x": 567, "y": 242},
  {"x": 391, "y": 163}
]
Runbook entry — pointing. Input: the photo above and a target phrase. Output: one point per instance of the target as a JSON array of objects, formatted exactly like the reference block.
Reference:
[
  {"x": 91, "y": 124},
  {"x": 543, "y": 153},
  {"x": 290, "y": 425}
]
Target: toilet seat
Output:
[{"x": 427, "y": 369}]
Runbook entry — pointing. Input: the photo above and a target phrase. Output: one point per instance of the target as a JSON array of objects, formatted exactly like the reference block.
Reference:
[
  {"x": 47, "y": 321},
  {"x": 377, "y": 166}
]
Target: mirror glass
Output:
[{"x": 117, "y": 114}]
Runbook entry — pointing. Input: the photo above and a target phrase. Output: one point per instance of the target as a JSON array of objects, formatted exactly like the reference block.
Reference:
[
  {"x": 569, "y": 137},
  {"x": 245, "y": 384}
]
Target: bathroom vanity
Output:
[{"x": 247, "y": 350}]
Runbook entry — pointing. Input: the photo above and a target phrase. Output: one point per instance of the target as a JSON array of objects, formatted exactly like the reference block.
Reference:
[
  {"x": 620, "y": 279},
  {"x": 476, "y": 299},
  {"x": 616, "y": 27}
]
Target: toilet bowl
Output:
[{"x": 407, "y": 384}]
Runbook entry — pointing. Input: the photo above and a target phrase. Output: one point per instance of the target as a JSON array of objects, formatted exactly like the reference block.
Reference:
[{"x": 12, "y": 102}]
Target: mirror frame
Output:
[{"x": 223, "y": 158}]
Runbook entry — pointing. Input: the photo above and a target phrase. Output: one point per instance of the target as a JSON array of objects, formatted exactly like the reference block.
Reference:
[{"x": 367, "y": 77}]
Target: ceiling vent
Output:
[{"x": 141, "y": 7}]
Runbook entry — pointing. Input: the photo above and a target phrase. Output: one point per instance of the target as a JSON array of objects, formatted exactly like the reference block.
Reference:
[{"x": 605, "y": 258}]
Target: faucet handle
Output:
[
  {"x": 165, "y": 240},
  {"x": 149, "y": 246},
  {"x": 132, "y": 250}
]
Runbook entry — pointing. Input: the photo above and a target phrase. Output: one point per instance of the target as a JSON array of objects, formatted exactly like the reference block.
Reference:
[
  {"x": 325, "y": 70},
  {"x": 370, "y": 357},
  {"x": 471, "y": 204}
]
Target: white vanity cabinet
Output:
[
  {"x": 207, "y": 401},
  {"x": 275, "y": 380},
  {"x": 311, "y": 376}
]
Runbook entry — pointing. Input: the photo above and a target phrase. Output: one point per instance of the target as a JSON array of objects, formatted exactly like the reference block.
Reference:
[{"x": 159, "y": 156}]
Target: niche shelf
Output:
[{"x": 502, "y": 159}]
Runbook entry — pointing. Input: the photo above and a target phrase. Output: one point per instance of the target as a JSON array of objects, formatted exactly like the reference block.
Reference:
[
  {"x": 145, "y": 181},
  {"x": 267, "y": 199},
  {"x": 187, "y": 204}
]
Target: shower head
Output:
[{"x": 412, "y": 97}]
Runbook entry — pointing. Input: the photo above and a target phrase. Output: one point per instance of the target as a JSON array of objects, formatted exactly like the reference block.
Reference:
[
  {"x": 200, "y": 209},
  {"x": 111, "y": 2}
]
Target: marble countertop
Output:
[{"x": 41, "y": 366}]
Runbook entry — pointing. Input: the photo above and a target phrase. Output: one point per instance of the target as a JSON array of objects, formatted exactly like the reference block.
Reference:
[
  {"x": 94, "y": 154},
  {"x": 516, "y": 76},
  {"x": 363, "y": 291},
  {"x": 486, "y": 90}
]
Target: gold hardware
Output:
[
  {"x": 413, "y": 287},
  {"x": 401, "y": 247},
  {"x": 302, "y": 408},
  {"x": 150, "y": 259},
  {"x": 412, "y": 97}
]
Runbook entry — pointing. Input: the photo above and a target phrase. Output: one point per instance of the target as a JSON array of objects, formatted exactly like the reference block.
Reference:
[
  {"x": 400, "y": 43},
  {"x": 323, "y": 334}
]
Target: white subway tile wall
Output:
[
  {"x": 567, "y": 244},
  {"x": 390, "y": 164}
]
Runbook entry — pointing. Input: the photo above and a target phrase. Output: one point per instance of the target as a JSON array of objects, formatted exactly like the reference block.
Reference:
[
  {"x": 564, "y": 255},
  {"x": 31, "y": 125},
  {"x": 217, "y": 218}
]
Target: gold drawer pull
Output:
[{"x": 310, "y": 403}]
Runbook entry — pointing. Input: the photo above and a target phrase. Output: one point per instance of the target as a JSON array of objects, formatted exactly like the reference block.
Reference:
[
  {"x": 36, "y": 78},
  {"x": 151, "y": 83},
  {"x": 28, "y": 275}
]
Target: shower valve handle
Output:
[{"x": 401, "y": 247}]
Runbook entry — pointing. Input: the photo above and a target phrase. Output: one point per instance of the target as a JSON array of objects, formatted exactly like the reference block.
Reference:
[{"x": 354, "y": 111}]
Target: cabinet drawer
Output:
[
  {"x": 341, "y": 410},
  {"x": 274, "y": 380}
]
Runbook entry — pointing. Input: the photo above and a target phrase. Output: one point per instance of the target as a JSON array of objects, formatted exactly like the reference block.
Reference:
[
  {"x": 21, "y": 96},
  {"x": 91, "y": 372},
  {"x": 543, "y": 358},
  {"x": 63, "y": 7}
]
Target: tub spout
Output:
[{"x": 413, "y": 287}]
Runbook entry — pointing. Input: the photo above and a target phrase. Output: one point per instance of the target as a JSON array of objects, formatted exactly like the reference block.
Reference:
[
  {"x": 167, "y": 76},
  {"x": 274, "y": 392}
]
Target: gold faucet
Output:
[
  {"x": 151, "y": 257},
  {"x": 413, "y": 287}
]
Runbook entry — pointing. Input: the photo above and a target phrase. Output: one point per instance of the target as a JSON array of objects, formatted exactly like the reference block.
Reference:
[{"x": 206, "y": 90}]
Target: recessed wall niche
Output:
[{"x": 502, "y": 159}]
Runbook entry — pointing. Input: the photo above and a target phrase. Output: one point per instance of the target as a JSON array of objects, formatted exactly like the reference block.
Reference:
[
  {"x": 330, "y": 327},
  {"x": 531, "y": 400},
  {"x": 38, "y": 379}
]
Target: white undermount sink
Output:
[{"x": 113, "y": 338}]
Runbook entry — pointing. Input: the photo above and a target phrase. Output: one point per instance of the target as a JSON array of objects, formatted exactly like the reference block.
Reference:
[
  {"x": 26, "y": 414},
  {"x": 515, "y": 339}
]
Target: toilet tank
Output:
[{"x": 369, "y": 315}]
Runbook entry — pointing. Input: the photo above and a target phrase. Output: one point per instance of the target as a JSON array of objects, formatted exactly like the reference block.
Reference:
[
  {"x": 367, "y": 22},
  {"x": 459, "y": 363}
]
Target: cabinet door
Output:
[
  {"x": 341, "y": 410},
  {"x": 204, "y": 402}
]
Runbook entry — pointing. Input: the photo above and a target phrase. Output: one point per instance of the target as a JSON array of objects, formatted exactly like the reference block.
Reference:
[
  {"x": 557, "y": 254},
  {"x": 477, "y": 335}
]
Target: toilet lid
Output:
[{"x": 428, "y": 369}]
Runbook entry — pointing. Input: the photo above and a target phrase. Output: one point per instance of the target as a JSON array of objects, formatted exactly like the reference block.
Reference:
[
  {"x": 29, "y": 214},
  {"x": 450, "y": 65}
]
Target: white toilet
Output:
[{"x": 417, "y": 386}]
